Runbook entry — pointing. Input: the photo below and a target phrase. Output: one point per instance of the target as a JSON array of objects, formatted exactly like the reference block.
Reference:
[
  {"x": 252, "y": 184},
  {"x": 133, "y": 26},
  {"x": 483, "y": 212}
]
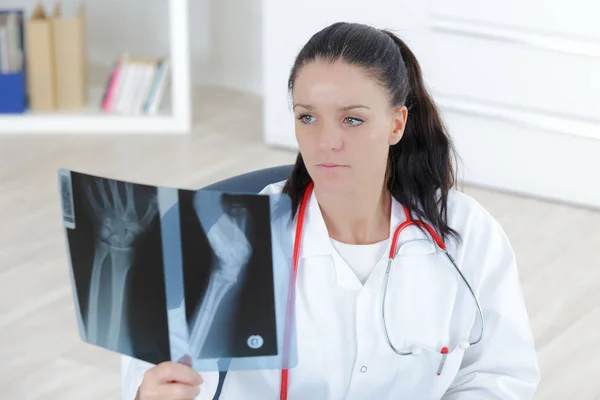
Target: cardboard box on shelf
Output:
[
  {"x": 40, "y": 61},
  {"x": 56, "y": 60},
  {"x": 70, "y": 59}
]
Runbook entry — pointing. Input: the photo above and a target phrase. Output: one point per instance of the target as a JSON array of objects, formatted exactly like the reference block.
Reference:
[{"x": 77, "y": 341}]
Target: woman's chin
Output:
[
  {"x": 331, "y": 185},
  {"x": 331, "y": 179}
]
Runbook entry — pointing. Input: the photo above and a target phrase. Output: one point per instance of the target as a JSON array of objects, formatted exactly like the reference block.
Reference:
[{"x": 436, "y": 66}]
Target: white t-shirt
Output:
[{"x": 362, "y": 258}]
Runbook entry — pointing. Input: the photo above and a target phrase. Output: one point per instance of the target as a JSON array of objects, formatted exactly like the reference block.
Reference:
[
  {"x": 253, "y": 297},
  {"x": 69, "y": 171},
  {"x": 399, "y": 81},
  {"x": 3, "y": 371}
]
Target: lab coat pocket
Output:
[
  {"x": 428, "y": 374},
  {"x": 420, "y": 298}
]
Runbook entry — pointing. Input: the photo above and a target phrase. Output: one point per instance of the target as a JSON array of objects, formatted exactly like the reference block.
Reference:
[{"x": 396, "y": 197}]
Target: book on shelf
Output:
[
  {"x": 136, "y": 86},
  {"x": 11, "y": 41}
]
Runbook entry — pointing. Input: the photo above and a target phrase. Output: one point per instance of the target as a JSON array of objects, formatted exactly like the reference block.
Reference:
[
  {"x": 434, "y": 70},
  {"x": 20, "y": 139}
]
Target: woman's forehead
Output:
[{"x": 335, "y": 84}]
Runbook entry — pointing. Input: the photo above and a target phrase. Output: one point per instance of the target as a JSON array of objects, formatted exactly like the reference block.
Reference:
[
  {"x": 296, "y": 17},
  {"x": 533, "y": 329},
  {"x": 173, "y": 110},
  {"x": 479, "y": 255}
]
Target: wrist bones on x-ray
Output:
[
  {"x": 232, "y": 250},
  {"x": 117, "y": 226}
]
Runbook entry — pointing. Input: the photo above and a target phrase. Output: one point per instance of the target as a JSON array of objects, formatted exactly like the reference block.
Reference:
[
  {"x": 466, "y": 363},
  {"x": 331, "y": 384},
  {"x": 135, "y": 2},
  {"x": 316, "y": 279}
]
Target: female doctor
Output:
[{"x": 445, "y": 319}]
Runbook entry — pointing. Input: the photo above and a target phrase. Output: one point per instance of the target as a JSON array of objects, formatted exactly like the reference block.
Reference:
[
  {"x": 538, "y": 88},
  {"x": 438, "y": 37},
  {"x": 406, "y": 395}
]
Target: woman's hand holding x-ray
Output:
[
  {"x": 232, "y": 250},
  {"x": 117, "y": 225}
]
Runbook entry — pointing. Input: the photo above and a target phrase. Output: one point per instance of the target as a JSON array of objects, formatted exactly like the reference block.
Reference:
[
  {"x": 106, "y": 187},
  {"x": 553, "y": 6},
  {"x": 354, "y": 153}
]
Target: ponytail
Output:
[{"x": 420, "y": 171}]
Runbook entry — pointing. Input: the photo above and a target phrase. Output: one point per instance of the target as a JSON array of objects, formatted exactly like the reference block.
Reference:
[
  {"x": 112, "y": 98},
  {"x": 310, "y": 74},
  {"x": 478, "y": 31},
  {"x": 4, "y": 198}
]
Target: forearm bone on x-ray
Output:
[
  {"x": 232, "y": 250},
  {"x": 117, "y": 226}
]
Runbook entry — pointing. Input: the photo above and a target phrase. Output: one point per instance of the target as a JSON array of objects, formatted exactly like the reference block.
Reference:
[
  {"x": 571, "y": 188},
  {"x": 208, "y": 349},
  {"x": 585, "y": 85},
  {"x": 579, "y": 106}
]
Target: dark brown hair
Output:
[{"x": 420, "y": 170}]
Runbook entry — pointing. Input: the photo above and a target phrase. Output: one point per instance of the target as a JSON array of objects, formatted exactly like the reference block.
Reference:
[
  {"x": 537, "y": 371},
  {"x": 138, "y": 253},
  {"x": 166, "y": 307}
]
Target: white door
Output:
[{"x": 518, "y": 82}]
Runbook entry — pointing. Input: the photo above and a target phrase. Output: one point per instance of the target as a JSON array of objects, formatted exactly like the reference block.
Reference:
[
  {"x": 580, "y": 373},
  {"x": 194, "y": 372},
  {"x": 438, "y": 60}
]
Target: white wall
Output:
[
  {"x": 225, "y": 48},
  {"x": 517, "y": 83}
]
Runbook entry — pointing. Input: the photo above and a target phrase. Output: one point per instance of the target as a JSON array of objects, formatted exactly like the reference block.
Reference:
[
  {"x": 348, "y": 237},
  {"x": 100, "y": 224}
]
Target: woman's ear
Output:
[{"x": 398, "y": 125}]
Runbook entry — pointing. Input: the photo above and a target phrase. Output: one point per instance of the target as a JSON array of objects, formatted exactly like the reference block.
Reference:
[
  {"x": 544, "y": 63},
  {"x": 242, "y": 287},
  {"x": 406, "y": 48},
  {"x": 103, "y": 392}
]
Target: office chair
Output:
[{"x": 250, "y": 182}]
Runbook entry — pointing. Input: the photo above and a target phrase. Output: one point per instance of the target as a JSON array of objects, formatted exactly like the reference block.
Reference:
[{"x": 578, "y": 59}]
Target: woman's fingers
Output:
[
  {"x": 176, "y": 372},
  {"x": 170, "y": 381},
  {"x": 179, "y": 391}
]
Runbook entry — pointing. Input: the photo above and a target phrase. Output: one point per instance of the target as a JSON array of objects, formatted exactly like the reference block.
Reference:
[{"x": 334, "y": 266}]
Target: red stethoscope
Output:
[{"x": 464, "y": 343}]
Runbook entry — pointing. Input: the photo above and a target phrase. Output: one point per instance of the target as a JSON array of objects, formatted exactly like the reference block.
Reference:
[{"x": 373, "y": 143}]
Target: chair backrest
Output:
[{"x": 252, "y": 182}]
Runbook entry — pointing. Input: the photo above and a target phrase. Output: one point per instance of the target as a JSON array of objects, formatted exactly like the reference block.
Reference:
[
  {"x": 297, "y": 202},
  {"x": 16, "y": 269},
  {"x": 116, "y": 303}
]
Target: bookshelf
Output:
[{"x": 175, "y": 116}]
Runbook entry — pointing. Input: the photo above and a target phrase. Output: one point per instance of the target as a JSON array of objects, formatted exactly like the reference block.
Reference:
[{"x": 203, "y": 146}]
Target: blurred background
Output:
[{"x": 184, "y": 93}]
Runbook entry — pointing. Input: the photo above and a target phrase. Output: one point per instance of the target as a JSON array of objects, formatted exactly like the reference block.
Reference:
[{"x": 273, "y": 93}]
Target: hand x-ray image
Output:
[
  {"x": 228, "y": 274},
  {"x": 115, "y": 254}
]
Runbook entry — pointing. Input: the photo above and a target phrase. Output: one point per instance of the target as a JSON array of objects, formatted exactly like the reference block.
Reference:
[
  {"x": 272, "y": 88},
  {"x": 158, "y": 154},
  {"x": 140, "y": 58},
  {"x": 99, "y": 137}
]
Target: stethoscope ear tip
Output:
[
  {"x": 416, "y": 351},
  {"x": 464, "y": 344}
]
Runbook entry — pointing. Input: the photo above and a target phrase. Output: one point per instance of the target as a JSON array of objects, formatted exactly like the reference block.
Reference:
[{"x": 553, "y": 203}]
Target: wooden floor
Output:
[{"x": 41, "y": 355}]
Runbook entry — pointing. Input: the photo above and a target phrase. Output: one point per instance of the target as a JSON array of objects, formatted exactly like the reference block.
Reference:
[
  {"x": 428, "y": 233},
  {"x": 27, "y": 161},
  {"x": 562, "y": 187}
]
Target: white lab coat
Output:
[{"x": 342, "y": 350}]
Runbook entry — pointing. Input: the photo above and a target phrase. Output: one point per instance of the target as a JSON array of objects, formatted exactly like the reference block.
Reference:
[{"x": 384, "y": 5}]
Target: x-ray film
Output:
[{"x": 161, "y": 273}]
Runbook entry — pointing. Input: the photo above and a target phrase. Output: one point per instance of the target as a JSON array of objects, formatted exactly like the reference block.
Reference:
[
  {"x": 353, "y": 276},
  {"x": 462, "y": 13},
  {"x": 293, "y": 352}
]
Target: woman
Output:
[{"x": 371, "y": 142}]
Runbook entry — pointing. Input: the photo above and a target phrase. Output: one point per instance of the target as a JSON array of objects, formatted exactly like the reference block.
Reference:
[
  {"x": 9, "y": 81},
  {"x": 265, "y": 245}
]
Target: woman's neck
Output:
[{"x": 361, "y": 217}]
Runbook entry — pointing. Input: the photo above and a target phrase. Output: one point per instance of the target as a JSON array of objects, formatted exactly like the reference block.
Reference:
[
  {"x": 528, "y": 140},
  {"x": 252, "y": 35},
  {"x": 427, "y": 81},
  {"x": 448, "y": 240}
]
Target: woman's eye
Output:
[
  {"x": 307, "y": 119},
  {"x": 353, "y": 121}
]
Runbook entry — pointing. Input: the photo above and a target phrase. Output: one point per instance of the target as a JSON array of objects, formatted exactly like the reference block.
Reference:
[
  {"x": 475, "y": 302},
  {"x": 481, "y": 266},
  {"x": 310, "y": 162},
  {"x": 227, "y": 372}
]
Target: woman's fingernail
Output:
[{"x": 186, "y": 359}]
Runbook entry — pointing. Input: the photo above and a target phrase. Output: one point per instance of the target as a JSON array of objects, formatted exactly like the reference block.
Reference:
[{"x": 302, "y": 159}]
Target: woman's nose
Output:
[{"x": 330, "y": 137}]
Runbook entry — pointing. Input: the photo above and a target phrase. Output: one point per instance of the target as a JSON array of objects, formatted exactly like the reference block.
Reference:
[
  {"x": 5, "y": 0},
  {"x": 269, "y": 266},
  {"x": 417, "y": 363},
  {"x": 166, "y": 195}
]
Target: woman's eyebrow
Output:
[
  {"x": 353, "y": 106},
  {"x": 308, "y": 107},
  {"x": 347, "y": 108}
]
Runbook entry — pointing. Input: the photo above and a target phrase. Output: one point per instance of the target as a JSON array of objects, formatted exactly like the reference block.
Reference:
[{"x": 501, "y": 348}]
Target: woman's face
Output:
[{"x": 344, "y": 126}]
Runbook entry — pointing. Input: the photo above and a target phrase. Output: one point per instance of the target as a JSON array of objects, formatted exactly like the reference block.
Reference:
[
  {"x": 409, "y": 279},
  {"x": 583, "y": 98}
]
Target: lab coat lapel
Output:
[
  {"x": 317, "y": 249},
  {"x": 315, "y": 237},
  {"x": 397, "y": 217}
]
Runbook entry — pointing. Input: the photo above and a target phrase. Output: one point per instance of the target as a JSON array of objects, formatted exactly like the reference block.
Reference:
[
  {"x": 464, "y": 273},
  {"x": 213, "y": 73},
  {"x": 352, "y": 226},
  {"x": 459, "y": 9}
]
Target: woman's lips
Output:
[{"x": 331, "y": 165}]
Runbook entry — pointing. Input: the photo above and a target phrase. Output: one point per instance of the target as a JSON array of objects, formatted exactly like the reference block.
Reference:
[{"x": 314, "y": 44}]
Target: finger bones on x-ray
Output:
[
  {"x": 232, "y": 250},
  {"x": 117, "y": 224}
]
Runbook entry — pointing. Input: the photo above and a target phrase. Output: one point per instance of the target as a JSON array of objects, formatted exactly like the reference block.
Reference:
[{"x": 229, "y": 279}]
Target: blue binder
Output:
[
  {"x": 13, "y": 94},
  {"x": 13, "y": 84}
]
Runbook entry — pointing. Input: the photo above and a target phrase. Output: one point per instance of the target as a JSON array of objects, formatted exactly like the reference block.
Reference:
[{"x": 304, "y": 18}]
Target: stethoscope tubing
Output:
[
  {"x": 440, "y": 243},
  {"x": 388, "y": 272}
]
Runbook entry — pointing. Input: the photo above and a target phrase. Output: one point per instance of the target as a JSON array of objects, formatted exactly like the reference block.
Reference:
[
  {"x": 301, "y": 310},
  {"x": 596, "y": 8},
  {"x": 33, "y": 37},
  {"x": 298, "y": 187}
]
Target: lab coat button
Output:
[{"x": 363, "y": 369}]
